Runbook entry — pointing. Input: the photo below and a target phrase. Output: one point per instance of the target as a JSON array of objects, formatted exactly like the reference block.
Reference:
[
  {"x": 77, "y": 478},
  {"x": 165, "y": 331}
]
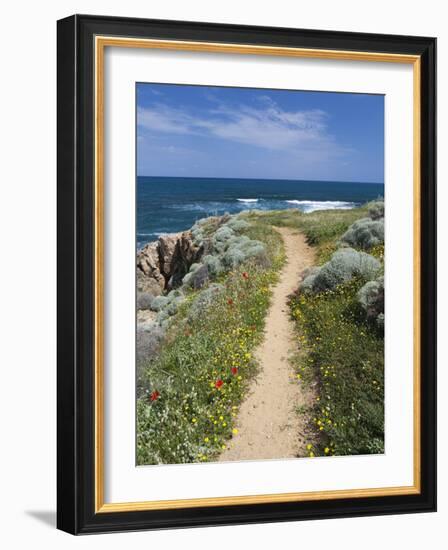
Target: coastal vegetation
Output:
[
  {"x": 190, "y": 392},
  {"x": 196, "y": 346},
  {"x": 339, "y": 314}
]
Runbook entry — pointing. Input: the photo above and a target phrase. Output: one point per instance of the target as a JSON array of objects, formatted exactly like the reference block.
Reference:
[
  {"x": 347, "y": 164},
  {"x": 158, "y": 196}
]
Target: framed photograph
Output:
[{"x": 246, "y": 274}]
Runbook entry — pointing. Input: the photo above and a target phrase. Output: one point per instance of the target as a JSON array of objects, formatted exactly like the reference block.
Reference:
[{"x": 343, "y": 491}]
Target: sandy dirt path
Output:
[{"x": 268, "y": 424}]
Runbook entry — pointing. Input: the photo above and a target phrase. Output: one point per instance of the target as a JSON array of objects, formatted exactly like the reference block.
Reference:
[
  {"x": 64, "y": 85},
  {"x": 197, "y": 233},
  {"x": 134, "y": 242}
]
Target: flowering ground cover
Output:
[
  {"x": 346, "y": 355},
  {"x": 340, "y": 349},
  {"x": 195, "y": 385}
]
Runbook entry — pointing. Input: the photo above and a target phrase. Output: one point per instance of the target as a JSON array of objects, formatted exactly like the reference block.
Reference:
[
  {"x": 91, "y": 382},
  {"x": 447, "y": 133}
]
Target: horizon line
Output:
[{"x": 263, "y": 179}]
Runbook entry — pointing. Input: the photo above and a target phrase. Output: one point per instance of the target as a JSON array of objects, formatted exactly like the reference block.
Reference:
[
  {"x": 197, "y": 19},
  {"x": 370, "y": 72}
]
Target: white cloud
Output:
[{"x": 267, "y": 127}]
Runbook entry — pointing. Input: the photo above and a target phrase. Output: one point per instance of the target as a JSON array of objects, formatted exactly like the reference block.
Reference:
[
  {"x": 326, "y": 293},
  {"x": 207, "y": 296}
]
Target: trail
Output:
[{"x": 268, "y": 424}]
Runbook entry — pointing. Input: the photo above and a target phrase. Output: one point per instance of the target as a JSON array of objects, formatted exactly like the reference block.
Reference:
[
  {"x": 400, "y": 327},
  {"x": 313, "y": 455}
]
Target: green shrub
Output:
[
  {"x": 144, "y": 300},
  {"x": 365, "y": 233},
  {"x": 173, "y": 305},
  {"x": 376, "y": 209},
  {"x": 237, "y": 224},
  {"x": 213, "y": 264},
  {"x": 223, "y": 234},
  {"x": 204, "y": 300},
  {"x": 308, "y": 284},
  {"x": 237, "y": 242},
  {"x": 159, "y": 303},
  {"x": 197, "y": 278},
  {"x": 233, "y": 258},
  {"x": 149, "y": 338},
  {"x": 345, "y": 264},
  {"x": 371, "y": 298},
  {"x": 200, "y": 277}
]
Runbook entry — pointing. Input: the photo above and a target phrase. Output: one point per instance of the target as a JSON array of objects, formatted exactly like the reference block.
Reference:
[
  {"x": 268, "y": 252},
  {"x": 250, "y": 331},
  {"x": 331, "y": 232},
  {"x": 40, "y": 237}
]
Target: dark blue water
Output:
[{"x": 169, "y": 205}]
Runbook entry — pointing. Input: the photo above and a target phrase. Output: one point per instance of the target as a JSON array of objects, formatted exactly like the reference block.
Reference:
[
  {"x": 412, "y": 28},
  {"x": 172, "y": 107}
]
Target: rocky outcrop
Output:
[
  {"x": 161, "y": 265},
  {"x": 149, "y": 276},
  {"x": 185, "y": 254}
]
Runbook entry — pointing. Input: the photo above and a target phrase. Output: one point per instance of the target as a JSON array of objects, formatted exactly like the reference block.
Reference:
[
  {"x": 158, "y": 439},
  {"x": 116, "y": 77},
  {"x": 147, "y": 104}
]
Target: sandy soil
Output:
[{"x": 268, "y": 424}]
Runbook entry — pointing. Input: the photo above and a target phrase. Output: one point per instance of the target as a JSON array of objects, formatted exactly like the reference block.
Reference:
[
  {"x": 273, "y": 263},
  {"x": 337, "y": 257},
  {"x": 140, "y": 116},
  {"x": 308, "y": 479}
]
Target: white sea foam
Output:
[
  {"x": 247, "y": 200},
  {"x": 308, "y": 206}
]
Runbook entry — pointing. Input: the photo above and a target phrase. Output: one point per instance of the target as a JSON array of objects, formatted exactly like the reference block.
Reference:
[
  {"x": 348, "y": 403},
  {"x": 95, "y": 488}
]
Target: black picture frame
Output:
[{"x": 76, "y": 272}]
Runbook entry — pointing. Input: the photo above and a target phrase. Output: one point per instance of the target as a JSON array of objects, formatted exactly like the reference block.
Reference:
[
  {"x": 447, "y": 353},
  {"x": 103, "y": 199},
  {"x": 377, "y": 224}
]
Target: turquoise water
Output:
[{"x": 169, "y": 205}]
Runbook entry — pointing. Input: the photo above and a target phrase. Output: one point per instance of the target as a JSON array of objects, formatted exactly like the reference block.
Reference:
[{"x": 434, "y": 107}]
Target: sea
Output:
[{"x": 169, "y": 205}]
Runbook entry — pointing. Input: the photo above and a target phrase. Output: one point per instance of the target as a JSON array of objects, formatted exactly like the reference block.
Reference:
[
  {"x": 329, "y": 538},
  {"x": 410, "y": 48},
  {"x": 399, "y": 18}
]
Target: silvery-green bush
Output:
[
  {"x": 213, "y": 264},
  {"x": 220, "y": 238},
  {"x": 238, "y": 242},
  {"x": 204, "y": 300},
  {"x": 148, "y": 342},
  {"x": 159, "y": 303},
  {"x": 144, "y": 300},
  {"x": 257, "y": 252},
  {"x": 344, "y": 265},
  {"x": 168, "y": 303},
  {"x": 196, "y": 278},
  {"x": 237, "y": 224},
  {"x": 187, "y": 279},
  {"x": 223, "y": 233},
  {"x": 200, "y": 277},
  {"x": 162, "y": 318},
  {"x": 233, "y": 258},
  {"x": 371, "y": 298},
  {"x": 240, "y": 249},
  {"x": 172, "y": 306},
  {"x": 307, "y": 284},
  {"x": 365, "y": 233},
  {"x": 197, "y": 232},
  {"x": 376, "y": 210},
  {"x": 175, "y": 298}
]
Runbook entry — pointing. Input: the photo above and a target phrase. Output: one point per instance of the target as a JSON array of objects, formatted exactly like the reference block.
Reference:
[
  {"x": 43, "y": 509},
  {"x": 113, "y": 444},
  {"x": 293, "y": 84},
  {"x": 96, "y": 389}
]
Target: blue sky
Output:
[{"x": 204, "y": 131}]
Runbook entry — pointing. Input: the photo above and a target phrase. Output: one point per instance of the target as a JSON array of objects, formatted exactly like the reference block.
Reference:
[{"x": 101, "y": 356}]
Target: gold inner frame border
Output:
[{"x": 101, "y": 42}]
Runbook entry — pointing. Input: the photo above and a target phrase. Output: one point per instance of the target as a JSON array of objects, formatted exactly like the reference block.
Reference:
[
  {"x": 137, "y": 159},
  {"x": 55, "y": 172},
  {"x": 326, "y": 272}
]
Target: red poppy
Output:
[
  {"x": 245, "y": 275},
  {"x": 154, "y": 395},
  {"x": 234, "y": 371},
  {"x": 218, "y": 384},
  {"x": 230, "y": 301}
]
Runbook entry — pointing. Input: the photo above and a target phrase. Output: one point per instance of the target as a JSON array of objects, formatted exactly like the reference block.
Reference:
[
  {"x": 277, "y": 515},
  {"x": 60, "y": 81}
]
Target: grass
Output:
[
  {"x": 346, "y": 355},
  {"x": 195, "y": 386}
]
